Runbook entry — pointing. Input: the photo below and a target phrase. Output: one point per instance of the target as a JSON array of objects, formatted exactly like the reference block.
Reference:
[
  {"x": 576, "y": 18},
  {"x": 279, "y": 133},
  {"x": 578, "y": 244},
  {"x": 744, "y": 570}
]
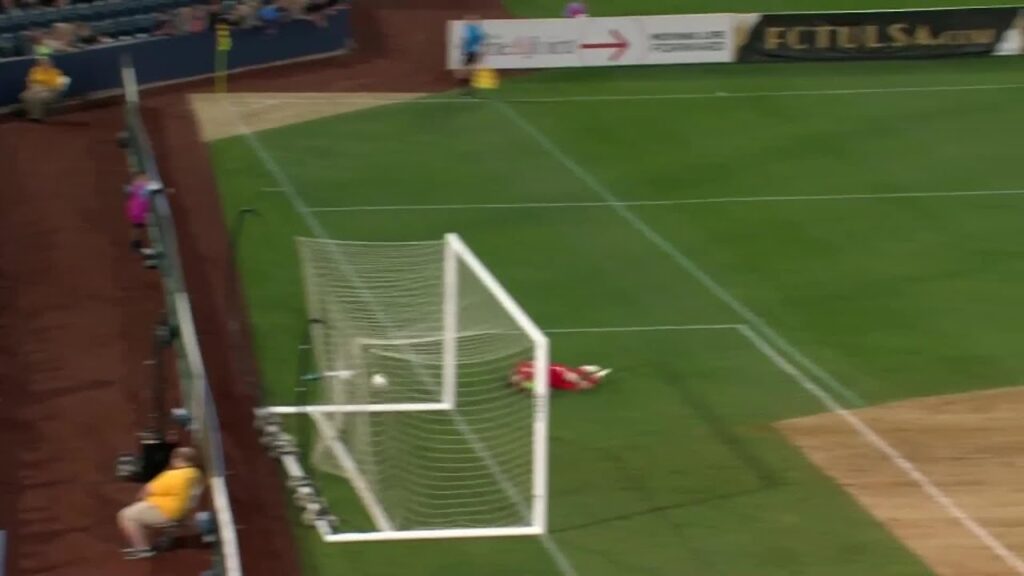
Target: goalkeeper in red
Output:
[{"x": 560, "y": 376}]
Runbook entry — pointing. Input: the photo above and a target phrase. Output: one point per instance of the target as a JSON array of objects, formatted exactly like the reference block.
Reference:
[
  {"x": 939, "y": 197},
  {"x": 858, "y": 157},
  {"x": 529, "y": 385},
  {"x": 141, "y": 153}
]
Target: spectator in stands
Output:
[
  {"x": 85, "y": 37},
  {"x": 38, "y": 41},
  {"x": 246, "y": 14},
  {"x": 200, "y": 20},
  {"x": 164, "y": 499},
  {"x": 44, "y": 86},
  {"x": 61, "y": 38},
  {"x": 136, "y": 209},
  {"x": 319, "y": 9},
  {"x": 271, "y": 15},
  {"x": 575, "y": 10}
]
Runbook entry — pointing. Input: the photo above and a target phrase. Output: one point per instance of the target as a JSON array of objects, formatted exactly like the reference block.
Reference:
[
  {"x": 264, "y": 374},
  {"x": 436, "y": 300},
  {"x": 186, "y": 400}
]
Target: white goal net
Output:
[{"x": 414, "y": 343}]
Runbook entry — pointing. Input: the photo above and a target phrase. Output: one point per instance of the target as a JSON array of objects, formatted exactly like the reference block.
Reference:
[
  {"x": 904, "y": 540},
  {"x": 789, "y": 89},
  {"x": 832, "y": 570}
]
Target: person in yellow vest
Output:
[
  {"x": 164, "y": 499},
  {"x": 44, "y": 85}
]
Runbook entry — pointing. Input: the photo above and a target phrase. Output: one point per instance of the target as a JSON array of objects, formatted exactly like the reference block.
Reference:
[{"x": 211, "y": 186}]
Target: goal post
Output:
[{"x": 413, "y": 344}]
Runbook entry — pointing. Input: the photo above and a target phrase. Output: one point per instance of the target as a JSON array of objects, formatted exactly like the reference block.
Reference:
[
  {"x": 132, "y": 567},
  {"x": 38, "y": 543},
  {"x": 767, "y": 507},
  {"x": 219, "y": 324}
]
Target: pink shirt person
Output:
[{"x": 137, "y": 205}]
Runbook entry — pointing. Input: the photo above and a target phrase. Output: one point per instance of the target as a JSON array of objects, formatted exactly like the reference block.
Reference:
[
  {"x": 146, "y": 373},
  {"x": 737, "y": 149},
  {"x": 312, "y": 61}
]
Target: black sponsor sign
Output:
[{"x": 880, "y": 35}]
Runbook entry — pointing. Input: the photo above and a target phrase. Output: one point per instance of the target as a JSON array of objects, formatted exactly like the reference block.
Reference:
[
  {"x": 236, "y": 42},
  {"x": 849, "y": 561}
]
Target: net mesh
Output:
[{"x": 378, "y": 332}]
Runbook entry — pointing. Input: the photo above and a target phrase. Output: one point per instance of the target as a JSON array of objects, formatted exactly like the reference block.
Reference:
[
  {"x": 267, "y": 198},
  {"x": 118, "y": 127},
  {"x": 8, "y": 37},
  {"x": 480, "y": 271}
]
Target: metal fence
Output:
[{"x": 204, "y": 425}]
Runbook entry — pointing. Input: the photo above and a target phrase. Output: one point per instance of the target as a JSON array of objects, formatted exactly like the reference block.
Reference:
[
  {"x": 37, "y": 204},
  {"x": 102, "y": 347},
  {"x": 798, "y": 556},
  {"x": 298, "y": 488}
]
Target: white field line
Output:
[
  {"x": 559, "y": 558},
  {"x": 340, "y": 97},
  {"x": 678, "y": 257},
  {"x": 874, "y": 439},
  {"x": 667, "y": 328},
  {"x": 723, "y": 200},
  {"x": 763, "y": 341}
]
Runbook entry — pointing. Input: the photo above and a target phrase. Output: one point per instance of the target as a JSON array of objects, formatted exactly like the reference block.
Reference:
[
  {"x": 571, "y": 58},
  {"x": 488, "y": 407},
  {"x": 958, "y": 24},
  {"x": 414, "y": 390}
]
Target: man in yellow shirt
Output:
[
  {"x": 165, "y": 499},
  {"x": 45, "y": 83}
]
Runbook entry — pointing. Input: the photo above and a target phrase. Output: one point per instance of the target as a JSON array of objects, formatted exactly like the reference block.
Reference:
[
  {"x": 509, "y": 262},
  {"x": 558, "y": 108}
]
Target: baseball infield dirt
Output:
[
  {"x": 223, "y": 115},
  {"x": 971, "y": 446}
]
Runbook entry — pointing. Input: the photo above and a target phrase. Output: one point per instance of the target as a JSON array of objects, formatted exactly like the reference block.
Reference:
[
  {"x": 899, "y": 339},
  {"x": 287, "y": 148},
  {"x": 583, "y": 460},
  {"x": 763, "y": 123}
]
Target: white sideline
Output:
[
  {"x": 762, "y": 344},
  {"x": 722, "y": 200},
  {"x": 340, "y": 97},
  {"x": 559, "y": 558}
]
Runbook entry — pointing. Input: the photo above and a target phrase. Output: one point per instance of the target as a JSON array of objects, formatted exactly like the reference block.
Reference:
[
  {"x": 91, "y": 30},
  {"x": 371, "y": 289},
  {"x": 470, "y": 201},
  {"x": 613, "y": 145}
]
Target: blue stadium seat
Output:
[
  {"x": 146, "y": 22},
  {"x": 124, "y": 8},
  {"x": 73, "y": 13},
  {"x": 119, "y": 27},
  {"x": 36, "y": 18},
  {"x": 18, "y": 19},
  {"x": 103, "y": 27},
  {"x": 101, "y": 10},
  {"x": 7, "y": 46}
]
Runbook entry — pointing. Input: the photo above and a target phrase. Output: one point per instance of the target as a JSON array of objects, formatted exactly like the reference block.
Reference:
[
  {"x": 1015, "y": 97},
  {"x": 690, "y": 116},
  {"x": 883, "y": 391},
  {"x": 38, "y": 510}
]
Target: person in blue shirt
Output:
[{"x": 472, "y": 47}]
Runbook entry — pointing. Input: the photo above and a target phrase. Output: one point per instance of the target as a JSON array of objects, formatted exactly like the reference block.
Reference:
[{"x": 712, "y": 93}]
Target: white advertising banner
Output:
[{"x": 578, "y": 42}]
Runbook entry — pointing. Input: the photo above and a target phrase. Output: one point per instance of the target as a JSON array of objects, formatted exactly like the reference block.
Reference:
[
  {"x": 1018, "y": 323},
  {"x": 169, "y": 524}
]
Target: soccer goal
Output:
[{"x": 413, "y": 345}]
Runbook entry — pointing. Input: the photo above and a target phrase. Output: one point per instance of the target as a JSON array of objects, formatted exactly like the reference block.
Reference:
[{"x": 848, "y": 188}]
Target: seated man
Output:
[
  {"x": 165, "y": 499},
  {"x": 44, "y": 85}
]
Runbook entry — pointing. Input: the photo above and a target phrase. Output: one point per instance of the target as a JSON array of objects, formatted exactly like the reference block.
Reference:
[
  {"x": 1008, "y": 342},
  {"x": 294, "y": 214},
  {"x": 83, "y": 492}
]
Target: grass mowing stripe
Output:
[
  {"x": 639, "y": 97},
  {"x": 762, "y": 344},
  {"x": 559, "y": 558},
  {"x": 684, "y": 262},
  {"x": 728, "y": 199},
  {"x": 901, "y": 462}
]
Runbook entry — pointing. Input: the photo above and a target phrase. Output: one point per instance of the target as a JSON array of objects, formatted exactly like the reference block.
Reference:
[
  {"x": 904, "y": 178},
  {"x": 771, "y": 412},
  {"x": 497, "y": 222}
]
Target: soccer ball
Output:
[{"x": 379, "y": 381}]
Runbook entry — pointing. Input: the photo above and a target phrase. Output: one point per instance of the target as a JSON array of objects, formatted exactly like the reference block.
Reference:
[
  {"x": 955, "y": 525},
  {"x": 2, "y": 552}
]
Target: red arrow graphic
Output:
[{"x": 620, "y": 45}]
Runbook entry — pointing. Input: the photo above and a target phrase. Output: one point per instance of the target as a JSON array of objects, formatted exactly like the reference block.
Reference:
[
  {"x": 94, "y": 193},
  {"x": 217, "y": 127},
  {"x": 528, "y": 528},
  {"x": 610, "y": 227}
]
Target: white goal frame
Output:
[{"x": 455, "y": 253}]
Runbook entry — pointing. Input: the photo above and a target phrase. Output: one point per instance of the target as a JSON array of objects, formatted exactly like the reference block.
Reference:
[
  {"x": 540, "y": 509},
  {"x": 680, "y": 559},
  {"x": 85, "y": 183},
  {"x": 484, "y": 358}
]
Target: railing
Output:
[{"x": 195, "y": 391}]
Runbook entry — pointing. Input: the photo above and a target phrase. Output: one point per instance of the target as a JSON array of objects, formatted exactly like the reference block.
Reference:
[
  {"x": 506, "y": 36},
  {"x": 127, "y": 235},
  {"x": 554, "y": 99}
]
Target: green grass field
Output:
[{"x": 673, "y": 467}]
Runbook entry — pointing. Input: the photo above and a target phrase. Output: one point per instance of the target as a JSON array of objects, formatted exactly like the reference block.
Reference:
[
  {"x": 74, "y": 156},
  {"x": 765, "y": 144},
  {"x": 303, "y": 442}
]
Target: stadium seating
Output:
[{"x": 117, "y": 19}]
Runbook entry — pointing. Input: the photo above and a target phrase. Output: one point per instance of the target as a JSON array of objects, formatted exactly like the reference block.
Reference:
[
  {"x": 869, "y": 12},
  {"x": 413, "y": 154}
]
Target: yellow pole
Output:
[{"x": 220, "y": 76}]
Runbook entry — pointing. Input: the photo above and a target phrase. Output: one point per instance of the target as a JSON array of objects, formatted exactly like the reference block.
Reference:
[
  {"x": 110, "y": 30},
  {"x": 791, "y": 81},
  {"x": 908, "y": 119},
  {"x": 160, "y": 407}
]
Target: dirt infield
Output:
[
  {"x": 970, "y": 445},
  {"x": 224, "y": 115}
]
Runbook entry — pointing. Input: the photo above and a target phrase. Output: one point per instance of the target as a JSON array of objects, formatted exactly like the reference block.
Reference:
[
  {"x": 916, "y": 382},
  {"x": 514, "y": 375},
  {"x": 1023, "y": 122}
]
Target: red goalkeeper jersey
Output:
[{"x": 560, "y": 376}]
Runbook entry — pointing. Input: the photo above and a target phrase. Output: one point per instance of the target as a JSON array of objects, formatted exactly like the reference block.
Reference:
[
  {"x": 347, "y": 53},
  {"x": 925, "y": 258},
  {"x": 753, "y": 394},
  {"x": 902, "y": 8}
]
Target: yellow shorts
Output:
[{"x": 143, "y": 513}]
